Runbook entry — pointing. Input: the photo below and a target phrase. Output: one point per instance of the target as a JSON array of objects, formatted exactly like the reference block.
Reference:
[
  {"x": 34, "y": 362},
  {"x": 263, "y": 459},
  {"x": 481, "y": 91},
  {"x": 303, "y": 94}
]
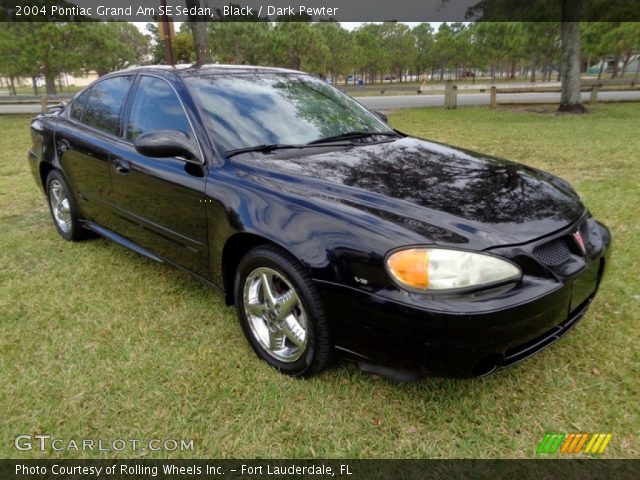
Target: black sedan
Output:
[{"x": 329, "y": 230}]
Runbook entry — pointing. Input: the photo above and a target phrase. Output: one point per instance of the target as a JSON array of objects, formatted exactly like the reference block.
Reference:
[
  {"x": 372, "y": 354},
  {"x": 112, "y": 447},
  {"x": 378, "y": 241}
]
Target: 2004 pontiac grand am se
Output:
[{"x": 329, "y": 231}]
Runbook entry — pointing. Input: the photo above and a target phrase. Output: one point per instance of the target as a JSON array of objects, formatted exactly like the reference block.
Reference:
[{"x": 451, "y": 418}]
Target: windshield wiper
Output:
[
  {"x": 264, "y": 148},
  {"x": 351, "y": 135},
  {"x": 270, "y": 147}
]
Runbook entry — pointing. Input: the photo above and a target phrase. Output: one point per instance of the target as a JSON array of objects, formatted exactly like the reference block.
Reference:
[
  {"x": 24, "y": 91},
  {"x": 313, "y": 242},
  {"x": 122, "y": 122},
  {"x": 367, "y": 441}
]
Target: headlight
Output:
[{"x": 439, "y": 269}]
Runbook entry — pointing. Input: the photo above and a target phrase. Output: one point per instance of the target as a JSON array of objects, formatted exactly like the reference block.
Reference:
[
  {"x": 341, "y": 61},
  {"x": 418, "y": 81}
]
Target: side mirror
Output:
[
  {"x": 380, "y": 115},
  {"x": 166, "y": 143}
]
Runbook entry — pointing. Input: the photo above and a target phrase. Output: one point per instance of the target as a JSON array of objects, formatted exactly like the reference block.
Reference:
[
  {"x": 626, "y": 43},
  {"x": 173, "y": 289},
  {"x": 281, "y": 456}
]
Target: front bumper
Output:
[{"x": 470, "y": 335}]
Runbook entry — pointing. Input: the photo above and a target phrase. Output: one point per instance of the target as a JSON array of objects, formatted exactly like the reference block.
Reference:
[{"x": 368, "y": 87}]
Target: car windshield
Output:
[{"x": 247, "y": 110}]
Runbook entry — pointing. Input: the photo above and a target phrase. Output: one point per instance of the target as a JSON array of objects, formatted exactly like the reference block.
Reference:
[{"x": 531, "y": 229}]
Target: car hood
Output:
[{"x": 447, "y": 195}]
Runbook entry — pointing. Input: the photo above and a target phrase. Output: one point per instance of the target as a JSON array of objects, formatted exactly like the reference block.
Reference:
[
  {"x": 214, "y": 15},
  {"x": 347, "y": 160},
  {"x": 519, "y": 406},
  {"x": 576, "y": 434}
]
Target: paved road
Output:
[
  {"x": 21, "y": 108},
  {"x": 392, "y": 102},
  {"x": 406, "y": 101}
]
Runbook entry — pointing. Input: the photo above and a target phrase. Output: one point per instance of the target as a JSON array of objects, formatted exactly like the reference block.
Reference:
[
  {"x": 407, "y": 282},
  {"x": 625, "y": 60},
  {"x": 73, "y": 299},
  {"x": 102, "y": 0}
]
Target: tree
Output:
[
  {"x": 444, "y": 48},
  {"x": 500, "y": 45},
  {"x": 541, "y": 46},
  {"x": 157, "y": 49},
  {"x": 424, "y": 43},
  {"x": 570, "y": 96},
  {"x": 340, "y": 43},
  {"x": 622, "y": 40},
  {"x": 299, "y": 46},
  {"x": 12, "y": 62},
  {"x": 543, "y": 10},
  {"x": 593, "y": 35},
  {"x": 198, "y": 26},
  {"x": 50, "y": 48},
  {"x": 400, "y": 47},
  {"x": 183, "y": 47},
  {"x": 372, "y": 58},
  {"x": 120, "y": 45},
  {"x": 244, "y": 42}
]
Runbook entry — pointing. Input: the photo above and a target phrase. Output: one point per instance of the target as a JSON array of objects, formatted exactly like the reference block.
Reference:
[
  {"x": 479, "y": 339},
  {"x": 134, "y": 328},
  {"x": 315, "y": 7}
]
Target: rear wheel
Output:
[
  {"x": 64, "y": 211},
  {"x": 281, "y": 313}
]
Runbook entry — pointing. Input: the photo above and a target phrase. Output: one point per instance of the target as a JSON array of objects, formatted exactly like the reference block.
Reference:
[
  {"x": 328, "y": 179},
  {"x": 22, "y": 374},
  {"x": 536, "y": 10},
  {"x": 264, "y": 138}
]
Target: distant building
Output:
[{"x": 632, "y": 65}]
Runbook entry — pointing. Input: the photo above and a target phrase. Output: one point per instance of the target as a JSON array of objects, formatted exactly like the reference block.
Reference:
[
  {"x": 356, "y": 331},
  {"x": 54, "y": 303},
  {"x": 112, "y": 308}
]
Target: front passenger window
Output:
[{"x": 156, "y": 107}]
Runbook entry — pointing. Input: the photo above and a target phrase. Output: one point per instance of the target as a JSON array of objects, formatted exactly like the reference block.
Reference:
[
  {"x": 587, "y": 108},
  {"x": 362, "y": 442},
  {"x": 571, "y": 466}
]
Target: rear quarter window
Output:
[
  {"x": 104, "y": 104},
  {"x": 77, "y": 107}
]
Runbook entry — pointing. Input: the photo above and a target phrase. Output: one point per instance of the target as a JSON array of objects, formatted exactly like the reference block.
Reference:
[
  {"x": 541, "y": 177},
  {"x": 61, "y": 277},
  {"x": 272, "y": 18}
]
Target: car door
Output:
[
  {"x": 84, "y": 143},
  {"x": 159, "y": 201}
]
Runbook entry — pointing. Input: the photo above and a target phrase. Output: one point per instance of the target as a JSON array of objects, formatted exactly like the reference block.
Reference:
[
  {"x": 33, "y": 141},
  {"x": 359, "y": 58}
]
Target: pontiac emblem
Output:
[{"x": 577, "y": 236}]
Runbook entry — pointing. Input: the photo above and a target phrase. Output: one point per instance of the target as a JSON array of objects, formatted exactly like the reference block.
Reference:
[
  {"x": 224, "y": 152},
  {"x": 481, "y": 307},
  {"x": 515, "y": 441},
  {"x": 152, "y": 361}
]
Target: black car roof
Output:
[{"x": 187, "y": 70}]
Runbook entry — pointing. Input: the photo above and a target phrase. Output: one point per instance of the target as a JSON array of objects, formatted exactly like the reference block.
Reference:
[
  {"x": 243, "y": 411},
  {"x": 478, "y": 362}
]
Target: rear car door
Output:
[
  {"x": 84, "y": 143},
  {"x": 159, "y": 201}
]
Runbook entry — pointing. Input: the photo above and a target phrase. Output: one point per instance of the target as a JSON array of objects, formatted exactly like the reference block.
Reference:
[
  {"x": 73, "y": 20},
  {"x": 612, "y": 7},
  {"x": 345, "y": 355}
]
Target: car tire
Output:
[
  {"x": 281, "y": 313},
  {"x": 63, "y": 208}
]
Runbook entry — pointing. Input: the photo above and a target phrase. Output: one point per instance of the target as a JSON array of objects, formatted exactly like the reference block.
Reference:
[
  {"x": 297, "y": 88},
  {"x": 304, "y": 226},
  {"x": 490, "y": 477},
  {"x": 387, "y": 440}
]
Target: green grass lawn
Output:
[{"x": 98, "y": 342}]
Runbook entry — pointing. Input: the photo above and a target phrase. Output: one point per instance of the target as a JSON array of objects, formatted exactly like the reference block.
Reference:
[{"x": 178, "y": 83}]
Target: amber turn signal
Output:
[{"x": 410, "y": 267}]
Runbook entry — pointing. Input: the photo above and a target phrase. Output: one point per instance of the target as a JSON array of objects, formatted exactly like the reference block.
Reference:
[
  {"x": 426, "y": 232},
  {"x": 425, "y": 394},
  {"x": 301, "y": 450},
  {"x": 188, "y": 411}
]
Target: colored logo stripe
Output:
[
  {"x": 598, "y": 443},
  {"x": 580, "y": 443},
  {"x": 574, "y": 443},
  {"x": 550, "y": 443}
]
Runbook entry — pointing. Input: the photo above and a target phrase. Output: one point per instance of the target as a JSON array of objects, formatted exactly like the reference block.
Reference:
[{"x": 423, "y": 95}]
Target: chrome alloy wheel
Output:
[
  {"x": 275, "y": 314},
  {"x": 60, "y": 206}
]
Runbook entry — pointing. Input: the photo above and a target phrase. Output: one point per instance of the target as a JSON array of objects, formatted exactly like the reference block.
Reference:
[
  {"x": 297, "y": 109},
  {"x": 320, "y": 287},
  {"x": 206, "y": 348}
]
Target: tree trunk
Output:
[
  {"x": 512, "y": 74},
  {"x": 12, "y": 87},
  {"x": 616, "y": 61},
  {"x": 50, "y": 85},
  {"x": 570, "y": 98},
  {"x": 35, "y": 86},
  {"x": 533, "y": 70},
  {"x": 602, "y": 64},
  {"x": 200, "y": 35},
  {"x": 625, "y": 62},
  {"x": 201, "y": 42},
  {"x": 637, "y": 68}
]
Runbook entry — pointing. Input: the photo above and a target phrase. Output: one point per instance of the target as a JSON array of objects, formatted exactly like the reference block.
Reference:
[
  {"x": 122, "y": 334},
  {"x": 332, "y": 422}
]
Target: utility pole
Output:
[{"x": 166, "y": 34}]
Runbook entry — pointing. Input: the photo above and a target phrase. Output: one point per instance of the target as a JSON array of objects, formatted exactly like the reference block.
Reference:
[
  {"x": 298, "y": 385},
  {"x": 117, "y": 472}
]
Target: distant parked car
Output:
[{"x": 329, "y": 230}]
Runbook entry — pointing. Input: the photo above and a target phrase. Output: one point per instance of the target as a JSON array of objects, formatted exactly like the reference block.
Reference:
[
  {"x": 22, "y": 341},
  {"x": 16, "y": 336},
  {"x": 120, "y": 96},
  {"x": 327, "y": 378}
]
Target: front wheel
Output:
[
  {"x": 280, "y": 312},
  {"x": 64, "y": 211}
]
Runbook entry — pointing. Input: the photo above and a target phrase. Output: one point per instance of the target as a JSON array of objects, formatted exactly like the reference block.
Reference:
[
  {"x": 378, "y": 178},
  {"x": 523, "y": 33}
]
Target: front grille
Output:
[{"x": 553, "y": 253}]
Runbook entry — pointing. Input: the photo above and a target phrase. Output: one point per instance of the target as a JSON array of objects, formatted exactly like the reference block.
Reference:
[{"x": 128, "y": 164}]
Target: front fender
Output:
[{"x": 335, "y": 242}]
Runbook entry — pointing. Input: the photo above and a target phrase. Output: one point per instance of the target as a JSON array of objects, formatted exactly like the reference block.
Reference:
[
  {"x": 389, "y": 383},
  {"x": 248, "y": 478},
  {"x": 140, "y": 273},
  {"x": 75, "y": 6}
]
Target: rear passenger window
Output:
[
  {"x": 102, "y": 109},
  {"x": 156, "y": 107}
]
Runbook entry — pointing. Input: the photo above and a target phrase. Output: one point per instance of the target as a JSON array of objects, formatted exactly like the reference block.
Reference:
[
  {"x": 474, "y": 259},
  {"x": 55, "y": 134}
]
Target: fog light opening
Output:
[{"x": 487, "y": 365}]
